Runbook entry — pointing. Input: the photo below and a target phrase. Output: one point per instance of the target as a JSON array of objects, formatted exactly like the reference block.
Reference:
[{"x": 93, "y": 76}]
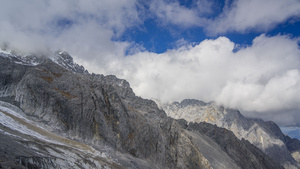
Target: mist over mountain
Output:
[{"x": 54, "y": 114}]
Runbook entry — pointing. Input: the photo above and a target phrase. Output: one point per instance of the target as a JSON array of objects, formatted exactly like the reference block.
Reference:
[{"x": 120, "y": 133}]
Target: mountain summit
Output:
[{"x": 54, "y": 114}]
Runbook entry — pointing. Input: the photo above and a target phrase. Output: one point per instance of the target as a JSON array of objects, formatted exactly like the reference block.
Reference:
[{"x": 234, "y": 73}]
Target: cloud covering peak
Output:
[
  {"x": 77, "y": 26},
  {"x": 256, "y": 78}
]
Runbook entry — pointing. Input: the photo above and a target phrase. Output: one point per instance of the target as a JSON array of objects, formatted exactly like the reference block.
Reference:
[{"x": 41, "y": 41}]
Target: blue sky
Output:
[
  {"x": 240, "y": 53},
  {"x": 160, "y": 38},
  {"x": 148, "y": 35},
  {"x": 293, "y": 132}
]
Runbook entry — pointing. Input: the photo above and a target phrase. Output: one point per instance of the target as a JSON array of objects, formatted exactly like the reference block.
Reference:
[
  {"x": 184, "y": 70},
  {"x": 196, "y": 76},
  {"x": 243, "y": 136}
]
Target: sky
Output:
[
  {"x": 242, "y": 54},
  {"x": 293, "y": 132}
]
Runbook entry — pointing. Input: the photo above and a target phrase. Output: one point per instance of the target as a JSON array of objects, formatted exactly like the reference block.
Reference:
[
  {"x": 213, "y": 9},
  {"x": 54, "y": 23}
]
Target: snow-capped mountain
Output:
[
  {"x": 62, "y": 58},
  {"x": 265, "y": 135}
]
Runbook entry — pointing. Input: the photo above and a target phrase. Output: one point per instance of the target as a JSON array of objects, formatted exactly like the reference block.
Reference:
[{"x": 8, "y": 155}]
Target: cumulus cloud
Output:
[
  {"x": 84, "y": 27},
  {"x": 263, "y": 78}
]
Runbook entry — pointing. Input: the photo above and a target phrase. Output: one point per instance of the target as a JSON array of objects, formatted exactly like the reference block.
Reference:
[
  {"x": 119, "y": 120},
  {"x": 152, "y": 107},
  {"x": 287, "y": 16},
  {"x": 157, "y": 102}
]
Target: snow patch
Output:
[
  {"x": 12, "y": 117},
  {"x": 14, "y": 125},
  {"x": 21, "y": 60},
  {"x": 5, "y": 52},
  {"x": 13, "y": 110},
  {"x": 7, "y": 114}
]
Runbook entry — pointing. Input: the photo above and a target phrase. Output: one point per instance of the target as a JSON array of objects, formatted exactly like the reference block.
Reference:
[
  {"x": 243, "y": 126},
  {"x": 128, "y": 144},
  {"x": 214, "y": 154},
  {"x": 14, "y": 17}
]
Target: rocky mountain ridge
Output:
[
  {"x": 62, "y": 58},
  {"x": 54, "y": 116},
  {"x": 265, "y": 135}
]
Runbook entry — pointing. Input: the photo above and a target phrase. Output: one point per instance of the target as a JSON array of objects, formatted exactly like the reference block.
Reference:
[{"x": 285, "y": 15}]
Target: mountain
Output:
[
  {"x": 293, "y": 132},
  {"x": 267, "y": 136},
  {"x": 54, "y": 114}
]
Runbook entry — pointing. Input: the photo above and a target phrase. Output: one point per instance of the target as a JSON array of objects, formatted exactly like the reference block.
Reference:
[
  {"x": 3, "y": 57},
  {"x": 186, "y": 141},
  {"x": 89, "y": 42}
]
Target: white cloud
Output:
[
  {"x": 87, "y": 27},
  {"x": 176, "y": 14},
  {"x": 82, "y": 27},
  {"x": 264, "y": 77},
  {"x": 266, "y": 74},
  {"x": 259, "y": 15},
  {"x": 240, "y": 16}
]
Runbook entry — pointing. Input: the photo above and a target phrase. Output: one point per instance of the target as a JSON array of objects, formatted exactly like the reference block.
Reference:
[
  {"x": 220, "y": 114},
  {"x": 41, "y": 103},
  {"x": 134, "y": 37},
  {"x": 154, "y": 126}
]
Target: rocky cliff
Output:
[
  {"x": 54, "y": 114},
  {"x": 267, "y": 136}
]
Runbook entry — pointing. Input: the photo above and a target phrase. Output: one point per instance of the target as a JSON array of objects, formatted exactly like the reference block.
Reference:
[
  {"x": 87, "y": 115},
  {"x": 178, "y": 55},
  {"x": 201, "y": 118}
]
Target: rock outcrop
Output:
[{"x": 267, "y": 136}]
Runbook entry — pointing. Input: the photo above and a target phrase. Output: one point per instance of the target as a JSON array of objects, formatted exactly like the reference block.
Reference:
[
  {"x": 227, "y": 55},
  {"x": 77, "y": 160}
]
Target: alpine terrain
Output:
[
  {"x": 55, "y": 114},
  {"x": 267, "y": 136}
]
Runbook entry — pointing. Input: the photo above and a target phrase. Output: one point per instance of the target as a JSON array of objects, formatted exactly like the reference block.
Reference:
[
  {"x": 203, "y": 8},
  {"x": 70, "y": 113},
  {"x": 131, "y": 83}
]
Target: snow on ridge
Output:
[
  {"x": 14, "y": 118},
  {"x": 13, "y": 110},
  {"x": 9, "y": 122},
  {"x": 8, "y": 115},
  {"x": 21, "y": 60},
  {"x": 59, "y": 57},
  {"x": 5, "y": 52}
]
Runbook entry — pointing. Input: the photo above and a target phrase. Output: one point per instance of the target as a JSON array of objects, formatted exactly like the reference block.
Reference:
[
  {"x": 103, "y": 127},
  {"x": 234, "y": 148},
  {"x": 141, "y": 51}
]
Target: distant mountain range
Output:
[
  {"x": 54, "y": 114},
  {"x": 267, "y": 136},
  {"x": 293, "y": 132}
]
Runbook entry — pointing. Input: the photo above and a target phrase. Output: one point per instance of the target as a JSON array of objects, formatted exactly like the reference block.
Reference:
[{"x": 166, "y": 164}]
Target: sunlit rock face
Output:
[
  {"x": 265, "y": 135},
  {"x": 55, "y": 114}
]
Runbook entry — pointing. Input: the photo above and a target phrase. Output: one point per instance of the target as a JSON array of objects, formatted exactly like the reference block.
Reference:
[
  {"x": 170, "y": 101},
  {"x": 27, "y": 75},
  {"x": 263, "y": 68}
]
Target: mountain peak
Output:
[
  {"x": 62, "y": 58},
  {"x": 265, "y": 135},
  {"x": 189, "y": 102},
  {"x": 66, "y": 60}
]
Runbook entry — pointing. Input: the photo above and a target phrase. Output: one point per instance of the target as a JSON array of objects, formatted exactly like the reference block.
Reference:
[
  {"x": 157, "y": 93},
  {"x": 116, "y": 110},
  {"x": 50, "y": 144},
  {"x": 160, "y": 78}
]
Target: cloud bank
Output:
[
  {"x": 83, "y": 27},
  {"x": 262, "y": 80}
]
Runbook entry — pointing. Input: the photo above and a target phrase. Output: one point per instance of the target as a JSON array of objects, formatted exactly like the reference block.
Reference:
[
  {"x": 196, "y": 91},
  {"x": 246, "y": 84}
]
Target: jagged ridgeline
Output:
[
  {"x": 54, "y": 114},
  {"x": 267, "y": 136}
]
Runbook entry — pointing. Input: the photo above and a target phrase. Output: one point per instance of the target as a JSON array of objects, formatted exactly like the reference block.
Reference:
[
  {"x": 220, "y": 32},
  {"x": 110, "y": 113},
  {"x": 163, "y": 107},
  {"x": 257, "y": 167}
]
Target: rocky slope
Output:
[
  {"x": 267, "y": 136},
  {"x": 56, "y": 115}
]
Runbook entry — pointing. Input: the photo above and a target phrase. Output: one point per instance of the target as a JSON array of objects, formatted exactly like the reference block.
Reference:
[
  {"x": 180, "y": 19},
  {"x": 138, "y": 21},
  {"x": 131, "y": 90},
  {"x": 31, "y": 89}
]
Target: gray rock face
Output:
[
  {"x": 267, "y": 136},
  {"x": 66, "y": 61},
  {"x": 242, "y": 152},
  {"x": 71, "y": 115}
]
